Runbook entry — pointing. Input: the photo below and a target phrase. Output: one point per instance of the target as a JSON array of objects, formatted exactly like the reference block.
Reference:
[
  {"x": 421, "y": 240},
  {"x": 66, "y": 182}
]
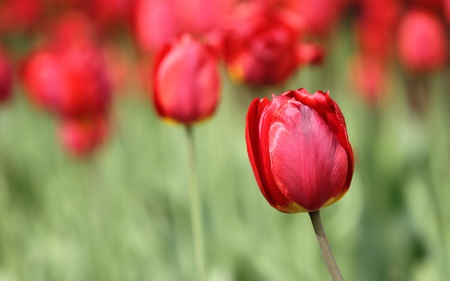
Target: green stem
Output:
[
  {"x": 325, "y": 247},
  {"x": 196, "y": 214}
]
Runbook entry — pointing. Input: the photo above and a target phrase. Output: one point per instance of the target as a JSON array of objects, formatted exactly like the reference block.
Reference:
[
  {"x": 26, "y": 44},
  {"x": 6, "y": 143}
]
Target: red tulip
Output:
[
  {"x": 88, "y": 87},
  {"x": 446, "y": 9},
  {"x": 71, "y": 27},
  {"x": 422, "y": 41},
  {"x": 201, "y": 16},
  {"x": 81, "y": 137},
  {"x": 110, "y": 14},
  {"x": 155, "y": 23},
  {"x": 19, "y": 15},
  {"x": 299, "y": 150},
  {"x": 261, "y": 43},
  {"x": 70, "y": 80},
  {"x": 186, "y": 81},
  {"x": 374, "y": 27},
  {"x": 319, "y": 16},
  {"x": 368, "y": 75},
  {"x": 6, "y": 77},
  {"x": 43, "y": 79}
]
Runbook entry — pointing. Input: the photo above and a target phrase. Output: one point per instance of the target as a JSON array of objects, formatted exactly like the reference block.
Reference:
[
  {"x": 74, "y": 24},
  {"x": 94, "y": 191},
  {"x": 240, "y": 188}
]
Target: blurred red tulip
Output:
[
  {"x": 43, "y": 79},
  {"x": 6, "y": 77},
  {"x": 319, "y": 16},
  {"x": 431, "y": 5},
  {"x": 119, "y": 67},
  {"x": 310, "y": 54},
  {"x": 201, "y": 16},
  {"x": 110, "y": 14},
  {"x": 88, "y": 86},
  {"x": 70, "y": 81},
  {"x": 155, "y": 23},
  {"x": 368, "y": 75},
  {"x": 261, "y": 43},
  {"x": 186, "y": 81},
  {"x": 71, "y": 28},
  {"x": 375, "y": 33},
  {"x": 299, "y": 150},
  {"x": 422, "y": 41},
  {"x": 447, "y": 10},
  {"x": 19, "y": 15},
  {"x": 81, "y": 137},
  {"x": 375, "y": 27}
]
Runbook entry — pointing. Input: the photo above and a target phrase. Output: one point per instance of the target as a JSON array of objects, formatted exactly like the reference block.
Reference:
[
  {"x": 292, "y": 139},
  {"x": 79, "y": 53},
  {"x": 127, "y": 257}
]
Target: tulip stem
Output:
[
  {"x": 324, "y": 246},
  {"x": 196, "y": 210}
]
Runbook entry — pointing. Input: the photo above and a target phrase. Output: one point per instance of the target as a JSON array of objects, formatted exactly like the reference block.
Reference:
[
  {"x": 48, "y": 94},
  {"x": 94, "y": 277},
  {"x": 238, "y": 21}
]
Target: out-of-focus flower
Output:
[
  {"x": 201, "y": 16},
  {"x": 310, "y": 54},
  {"x": 110, "y": 14},
  {"x": 71, "y": 28},
  {"x": 6, "y": 77},
  {"x": 68, "y": 76},
  {"x": 156, "y": 22},
  {"x": 375, "y": 28},
  {"x": 446, "y": 7},
  {"x": 70, "y": 81},
  {"x": 368, "y": 75},
  {"x": 299, "y": 150},
  {"x": 261, "y": 43},
  {"x": 186, "y": 82},
  {"x": 43, "y": 79},
  {"x": 81, "y": 137},
  {"x": 422, "y": 41},
  {"x": 319, "y": 17},
  {"x": 119, "y": 67},
  {"x": 431, "y": 5},
  {"x": 88, "y": 87},
  {"x": 19, "y": 15}
]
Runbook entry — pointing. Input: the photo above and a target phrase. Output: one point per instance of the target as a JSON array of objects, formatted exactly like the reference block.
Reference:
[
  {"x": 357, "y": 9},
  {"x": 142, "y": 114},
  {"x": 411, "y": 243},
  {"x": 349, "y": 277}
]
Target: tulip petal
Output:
[
  {"x": 308, "y": 163},
  {"x": 329, "y": 111},
  {"x": 258, "y": 115}
]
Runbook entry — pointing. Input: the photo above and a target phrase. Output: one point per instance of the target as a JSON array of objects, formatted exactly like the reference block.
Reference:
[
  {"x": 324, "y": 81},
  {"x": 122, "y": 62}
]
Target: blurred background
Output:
[{"x": 94, "y": 185}]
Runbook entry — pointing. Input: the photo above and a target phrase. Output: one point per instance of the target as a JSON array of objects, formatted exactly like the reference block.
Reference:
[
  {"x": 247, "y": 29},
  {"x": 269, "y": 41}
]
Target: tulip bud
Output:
[
  {"x": 148, "y": 15},
  {"x": 261, "y": 44},
  {"x": 368, "y": 75},
  {"x": 299, "y": 150},
  {"x": 87, "y": 84},
  {"x": 43, "y": 79},
  {"x": 72, "y": 82},
  {"x": 80, "y": 137},
  {"x": 422, "y": 41},
  {"x": 186, "y": 81}
]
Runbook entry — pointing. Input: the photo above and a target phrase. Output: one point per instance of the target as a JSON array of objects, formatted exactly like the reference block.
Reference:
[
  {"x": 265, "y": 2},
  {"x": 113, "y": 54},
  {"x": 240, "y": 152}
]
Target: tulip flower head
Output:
[
  {"x": 43, "y": 79},
  {"x": 186, "y": 81},
  {"x": 88, "y": 86},
  {"x": 154, "y": 13},
  {"x": 261, "y": 44},
  {"x": 416, "y": 28},
  {"x": 175, "y": 17},
  {"x": 81, "y": 137},
  {"x": 299, "y": 150}
]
